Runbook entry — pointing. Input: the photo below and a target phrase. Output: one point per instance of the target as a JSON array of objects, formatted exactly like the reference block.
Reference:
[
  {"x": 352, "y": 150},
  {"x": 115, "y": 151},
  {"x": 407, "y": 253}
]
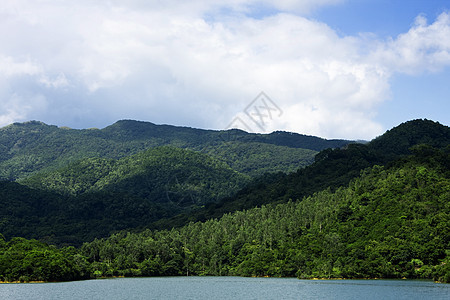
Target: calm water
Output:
[{"x": 227, "y": 288}]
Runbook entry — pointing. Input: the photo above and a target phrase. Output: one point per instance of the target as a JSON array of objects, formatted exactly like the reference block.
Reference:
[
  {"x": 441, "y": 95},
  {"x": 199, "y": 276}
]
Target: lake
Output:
[{"x": 227, "y": 288}]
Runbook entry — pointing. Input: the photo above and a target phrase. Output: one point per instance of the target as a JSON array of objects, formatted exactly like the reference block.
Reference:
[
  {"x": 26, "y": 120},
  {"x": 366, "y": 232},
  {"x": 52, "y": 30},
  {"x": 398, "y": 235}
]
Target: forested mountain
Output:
[
  {"x": 27, "y": 148},
  {"x": 95, "y": 197},
  {"x": 99, "y": 181},
  {"x": 63, "y": 220},
  {"x": 390, "y": 222},
  {"x": 332, "y": 168},
  {"x": 379, "y": 209},
  {"x": 163, "y": 175}
]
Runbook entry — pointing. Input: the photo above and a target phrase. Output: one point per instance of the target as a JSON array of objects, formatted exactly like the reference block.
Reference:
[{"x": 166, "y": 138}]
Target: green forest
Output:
[
  {"x": 32, "y": 147},
  {"x": 376, "y": 210}
]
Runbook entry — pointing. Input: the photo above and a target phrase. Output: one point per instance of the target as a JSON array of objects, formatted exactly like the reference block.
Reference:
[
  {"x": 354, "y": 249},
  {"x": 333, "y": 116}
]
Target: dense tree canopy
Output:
[
  {"x": 332, "y": 168},
  {"x": 31, "y": 147},
  {"x": 376, "y": 210},
  {"x": 390, "y": 222}
]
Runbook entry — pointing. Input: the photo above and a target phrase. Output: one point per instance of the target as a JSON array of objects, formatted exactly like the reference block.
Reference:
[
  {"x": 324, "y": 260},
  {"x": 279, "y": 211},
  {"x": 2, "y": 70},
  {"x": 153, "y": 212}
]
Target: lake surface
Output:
[{"x": 227, "y": 288}]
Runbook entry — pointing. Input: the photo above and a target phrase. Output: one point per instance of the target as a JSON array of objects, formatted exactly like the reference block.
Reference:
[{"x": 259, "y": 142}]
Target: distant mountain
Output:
[
  {"x": 179, "y": 177},
  {"x": 31, "y": 147}
]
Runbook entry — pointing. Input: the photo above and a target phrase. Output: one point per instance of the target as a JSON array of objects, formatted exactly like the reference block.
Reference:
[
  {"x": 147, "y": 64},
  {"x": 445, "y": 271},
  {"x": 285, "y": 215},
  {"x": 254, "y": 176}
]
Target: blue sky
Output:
[
  {"x": 332, "y": 68},
  {"x": 424, "y": 95},
  {"x": 381, "y": 17}
]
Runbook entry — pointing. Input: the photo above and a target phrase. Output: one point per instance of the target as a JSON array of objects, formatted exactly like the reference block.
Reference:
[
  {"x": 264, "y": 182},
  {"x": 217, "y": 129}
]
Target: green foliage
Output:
[
  {"x": 59, "y": 219},
  {"x": 32, "y": 147},
  {"x": 29, "y": 260},
  {"x": 163, "y": 175},
  {"x": 332, "y": 168},
  {"x": 256, "y": 158},
  {"x": 95, "y": 197},
  {"x": 400, "y": 139},
  {"x": 389, "y": 223},
  {"x": 358, "y": 212}
]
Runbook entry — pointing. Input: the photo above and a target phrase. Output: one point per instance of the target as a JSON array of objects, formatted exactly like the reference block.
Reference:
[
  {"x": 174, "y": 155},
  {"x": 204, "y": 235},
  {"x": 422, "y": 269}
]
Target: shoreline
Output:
[
  {"x": 312, "y": 279},
  {"x": 32, "y": 281}
]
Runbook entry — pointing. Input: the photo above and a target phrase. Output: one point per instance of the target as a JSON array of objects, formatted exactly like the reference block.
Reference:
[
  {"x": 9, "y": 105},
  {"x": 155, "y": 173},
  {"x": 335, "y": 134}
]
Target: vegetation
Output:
[
  {"x": 376, "y": 210},
  {"x": 256, "y": 159},
  {"x": 29, "y": 260},
  {"x": 32, "y": 147},
  {"x": 63, "y": 220},
  {"x": 164, "y": 174},
  {"x": 332, "y": 168},
  {"x": 390, "y": 222},
  {"x": 95, "y": 197}
]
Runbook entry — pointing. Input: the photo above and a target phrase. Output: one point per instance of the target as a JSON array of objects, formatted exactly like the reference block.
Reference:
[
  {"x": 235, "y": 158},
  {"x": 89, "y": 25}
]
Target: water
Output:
[{"x": 227, "y": 288}]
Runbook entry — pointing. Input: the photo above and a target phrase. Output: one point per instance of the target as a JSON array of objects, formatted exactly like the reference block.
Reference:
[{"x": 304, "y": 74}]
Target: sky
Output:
[{"x": 331, "y": 68}]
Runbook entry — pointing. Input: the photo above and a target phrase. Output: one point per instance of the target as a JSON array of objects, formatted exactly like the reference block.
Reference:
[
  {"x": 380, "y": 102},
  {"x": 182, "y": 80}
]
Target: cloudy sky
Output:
[{"x": 332, "y": 68}]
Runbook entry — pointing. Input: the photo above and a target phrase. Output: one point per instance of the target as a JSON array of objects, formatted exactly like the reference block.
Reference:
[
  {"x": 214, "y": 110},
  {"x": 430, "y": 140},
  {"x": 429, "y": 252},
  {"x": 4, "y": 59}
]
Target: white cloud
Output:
[
  {"x": 425, "y": 47},
  {"x": 10, "y": 68},
  {"x": 17, "y": 108},
  {"x": 90, "y": 64}
]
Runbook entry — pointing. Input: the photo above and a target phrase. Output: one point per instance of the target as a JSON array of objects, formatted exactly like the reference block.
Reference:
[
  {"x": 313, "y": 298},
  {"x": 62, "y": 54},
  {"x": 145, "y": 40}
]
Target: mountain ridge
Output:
[
  {"x": 30, "y": 147},
  {"x": 332, "y": 168}
]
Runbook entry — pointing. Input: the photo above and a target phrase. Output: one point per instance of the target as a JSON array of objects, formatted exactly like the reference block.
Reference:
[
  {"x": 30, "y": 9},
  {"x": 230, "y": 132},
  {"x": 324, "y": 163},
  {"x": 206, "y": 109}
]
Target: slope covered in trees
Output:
[
  {"x": 95, "y": 197},
  {"x": 59, "y": 219},
  {"x": 29, "y": 260},
  {"x": 390, "y": 222},
  {"x": 332, "y": 168},
  {"x": 163, "y": 175},
  {"x": 31, "y": 147}
]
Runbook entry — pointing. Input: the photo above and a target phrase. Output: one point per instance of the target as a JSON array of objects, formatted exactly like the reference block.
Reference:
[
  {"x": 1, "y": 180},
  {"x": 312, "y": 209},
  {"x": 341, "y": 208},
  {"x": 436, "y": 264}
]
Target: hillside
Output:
[
  {"x": 162, "y": 175},
  {"x": 390, "y": 222},
  {"x": 167, "y": 186},
  {"x": 31, "y": 147},
  {"x": 95, "y": 197},
  {"x": 332, "y": 168},
  {"x": 63, "y": 220}
]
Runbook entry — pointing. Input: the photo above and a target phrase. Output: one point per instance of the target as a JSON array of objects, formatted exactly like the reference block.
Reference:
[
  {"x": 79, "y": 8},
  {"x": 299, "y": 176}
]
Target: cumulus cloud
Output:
[
  {"x": 425, "y": 47},
  {"x": 89, "y": 63}
]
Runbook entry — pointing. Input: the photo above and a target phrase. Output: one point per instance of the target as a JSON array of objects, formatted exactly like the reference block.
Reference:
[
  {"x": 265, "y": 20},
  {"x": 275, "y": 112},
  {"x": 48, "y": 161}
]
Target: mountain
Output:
[
  {"x": 332, "y": 168},
  {"x": 60, "y": 220},
  {"x": 375, "y": 210},
  {"x": 94, "y": 197},
  {"x": 400, "y": 139},
  {"x": 389, "y": 222},
  {"x": 169, "y": 175},
  {"x": 30, "y": 147},
  {"x": 80, "y": 184}
]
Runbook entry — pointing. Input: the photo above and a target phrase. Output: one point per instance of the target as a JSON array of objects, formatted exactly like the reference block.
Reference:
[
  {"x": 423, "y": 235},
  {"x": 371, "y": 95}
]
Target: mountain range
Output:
[
  {"x": 90, "y": 183},
  {"x": 31, "y": 147},
  {"x": 181, "y": 200}
]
